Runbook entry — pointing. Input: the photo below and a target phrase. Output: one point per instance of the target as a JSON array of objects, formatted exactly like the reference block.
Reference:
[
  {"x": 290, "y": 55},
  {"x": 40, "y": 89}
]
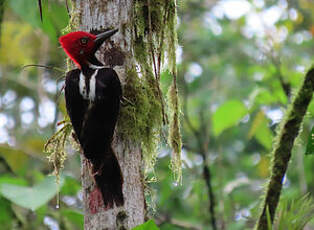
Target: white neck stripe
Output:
[
  {"x": 92, "y": 86},
  {"x": 83, "y": 90},
  {"x": 92, "y": 66}
]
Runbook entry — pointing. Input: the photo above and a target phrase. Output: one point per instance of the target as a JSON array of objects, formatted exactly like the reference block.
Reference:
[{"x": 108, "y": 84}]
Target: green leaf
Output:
[
  {"x": 31, "y": 197},
  {"x": 149, "y": 225},
  {"x": 310, "y": 143},
  {"x": 261, "y": 131},
  {"x": 264, "y": 97},
  {"x": 228, "y": 115},
  {"x": 16, "y": 159},
  {"x": 74, "y": 217},
  {"x": 295, "y": 213},
  {"x": 6, "y": 179},
  {"x": 269, "y": 222},
  {"x": 7, "y": 215},
  {"x": 71, "y": 186},
  {"x": 54, "y": 15}
]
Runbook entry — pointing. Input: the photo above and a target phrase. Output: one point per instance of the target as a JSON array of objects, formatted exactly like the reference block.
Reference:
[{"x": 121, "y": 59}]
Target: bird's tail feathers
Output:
[{"x": 109, "y": 180}]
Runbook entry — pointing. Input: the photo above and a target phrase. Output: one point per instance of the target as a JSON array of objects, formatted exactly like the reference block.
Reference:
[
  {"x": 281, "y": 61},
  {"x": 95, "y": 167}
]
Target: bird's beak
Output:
[{"x": 100, "y": 38}]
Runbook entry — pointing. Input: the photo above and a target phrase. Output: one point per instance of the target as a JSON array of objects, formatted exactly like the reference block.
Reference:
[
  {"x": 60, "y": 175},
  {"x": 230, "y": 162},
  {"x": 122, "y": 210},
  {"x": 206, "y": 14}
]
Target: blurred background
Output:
[{"x": 239, "y": 63}]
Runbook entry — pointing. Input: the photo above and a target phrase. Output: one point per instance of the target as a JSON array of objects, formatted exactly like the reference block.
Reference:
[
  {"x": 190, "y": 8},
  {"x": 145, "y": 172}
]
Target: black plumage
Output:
[{"x": 94, "y": 121}]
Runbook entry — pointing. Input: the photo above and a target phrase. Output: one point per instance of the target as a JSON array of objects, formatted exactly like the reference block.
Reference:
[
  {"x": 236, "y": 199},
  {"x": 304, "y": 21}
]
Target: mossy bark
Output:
[{"x": 287, "y": 133}]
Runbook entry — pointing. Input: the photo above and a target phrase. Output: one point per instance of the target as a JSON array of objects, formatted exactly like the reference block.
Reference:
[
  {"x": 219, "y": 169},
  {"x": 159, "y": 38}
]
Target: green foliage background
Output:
[{"x": 231, "y": 72}]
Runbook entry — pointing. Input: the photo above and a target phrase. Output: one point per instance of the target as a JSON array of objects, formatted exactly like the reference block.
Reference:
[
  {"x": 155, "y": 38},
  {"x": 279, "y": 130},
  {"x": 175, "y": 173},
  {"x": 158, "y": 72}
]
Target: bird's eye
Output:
[{"x": 84, "y": 40}]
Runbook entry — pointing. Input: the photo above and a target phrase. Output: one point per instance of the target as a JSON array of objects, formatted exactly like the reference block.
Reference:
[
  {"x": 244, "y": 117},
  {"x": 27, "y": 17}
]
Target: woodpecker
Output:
[{"x": 92, "y": 94}]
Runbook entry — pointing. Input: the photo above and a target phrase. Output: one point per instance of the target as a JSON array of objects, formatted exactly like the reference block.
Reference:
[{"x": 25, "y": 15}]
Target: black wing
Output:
[{"x": 75, "y": 104}]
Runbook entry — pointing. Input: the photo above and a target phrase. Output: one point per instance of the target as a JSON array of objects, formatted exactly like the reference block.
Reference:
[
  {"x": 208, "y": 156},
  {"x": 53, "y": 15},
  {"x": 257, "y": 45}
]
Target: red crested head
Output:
[
  {"x": 78, "y": 45},
  {"x": 81, "y": 46}
]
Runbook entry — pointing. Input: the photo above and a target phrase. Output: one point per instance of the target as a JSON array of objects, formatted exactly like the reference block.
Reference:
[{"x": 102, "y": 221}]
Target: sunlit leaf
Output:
[
  {"x": 258, "y": 120},
  {"x": 228, "y": 115},
  {"x": 31, "y": 197},
  {"x": 264, "y": 97},
  {"x": 6, "y": 179},
  {"x": 261, "y": 131},
  {"x": 149, "y": 225},
  {"x": 264, "y": 135}
]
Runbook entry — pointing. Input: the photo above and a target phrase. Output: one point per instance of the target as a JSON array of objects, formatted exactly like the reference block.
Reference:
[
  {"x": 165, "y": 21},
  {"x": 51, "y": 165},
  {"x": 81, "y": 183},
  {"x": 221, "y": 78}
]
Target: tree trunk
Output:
[{"x": 100, "y": 15}]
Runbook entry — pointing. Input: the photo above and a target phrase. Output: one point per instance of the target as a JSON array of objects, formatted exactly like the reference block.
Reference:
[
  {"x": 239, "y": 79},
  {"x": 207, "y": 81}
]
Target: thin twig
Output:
[
  {"x": 207, "y": 173},
  {"x": 40, "y": 10},
  {"x": 285, "y": 86},
  {"x": 212, "y": 203},
  {"x": 43, "y": 66}
]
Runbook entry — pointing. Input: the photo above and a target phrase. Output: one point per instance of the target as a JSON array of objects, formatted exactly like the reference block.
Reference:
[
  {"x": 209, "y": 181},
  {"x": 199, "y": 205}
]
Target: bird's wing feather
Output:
[{"x": 75, "y": 104}]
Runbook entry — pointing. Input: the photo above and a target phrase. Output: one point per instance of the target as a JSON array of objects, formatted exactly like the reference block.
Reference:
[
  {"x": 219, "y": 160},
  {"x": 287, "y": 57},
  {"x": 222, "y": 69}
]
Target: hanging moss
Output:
[
  {"x": 174, "y": 138},
  {"x": 140, "y": 117},
  {"x": 154, "y": 36},
  {"x": 55, "y": 148}
]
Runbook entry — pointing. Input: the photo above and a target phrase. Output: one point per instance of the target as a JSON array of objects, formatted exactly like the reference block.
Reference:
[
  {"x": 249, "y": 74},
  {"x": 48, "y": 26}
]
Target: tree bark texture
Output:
[{"x": 95, "y": 16}]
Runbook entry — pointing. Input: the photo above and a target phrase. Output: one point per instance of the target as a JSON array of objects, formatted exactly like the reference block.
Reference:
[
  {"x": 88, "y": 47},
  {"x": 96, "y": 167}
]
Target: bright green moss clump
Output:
[{"x": 140, "y": 116}]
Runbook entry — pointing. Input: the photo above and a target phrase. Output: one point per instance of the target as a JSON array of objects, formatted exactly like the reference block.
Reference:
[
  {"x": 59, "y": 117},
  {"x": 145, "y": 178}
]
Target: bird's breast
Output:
[{"x": 87, "y": 86}]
